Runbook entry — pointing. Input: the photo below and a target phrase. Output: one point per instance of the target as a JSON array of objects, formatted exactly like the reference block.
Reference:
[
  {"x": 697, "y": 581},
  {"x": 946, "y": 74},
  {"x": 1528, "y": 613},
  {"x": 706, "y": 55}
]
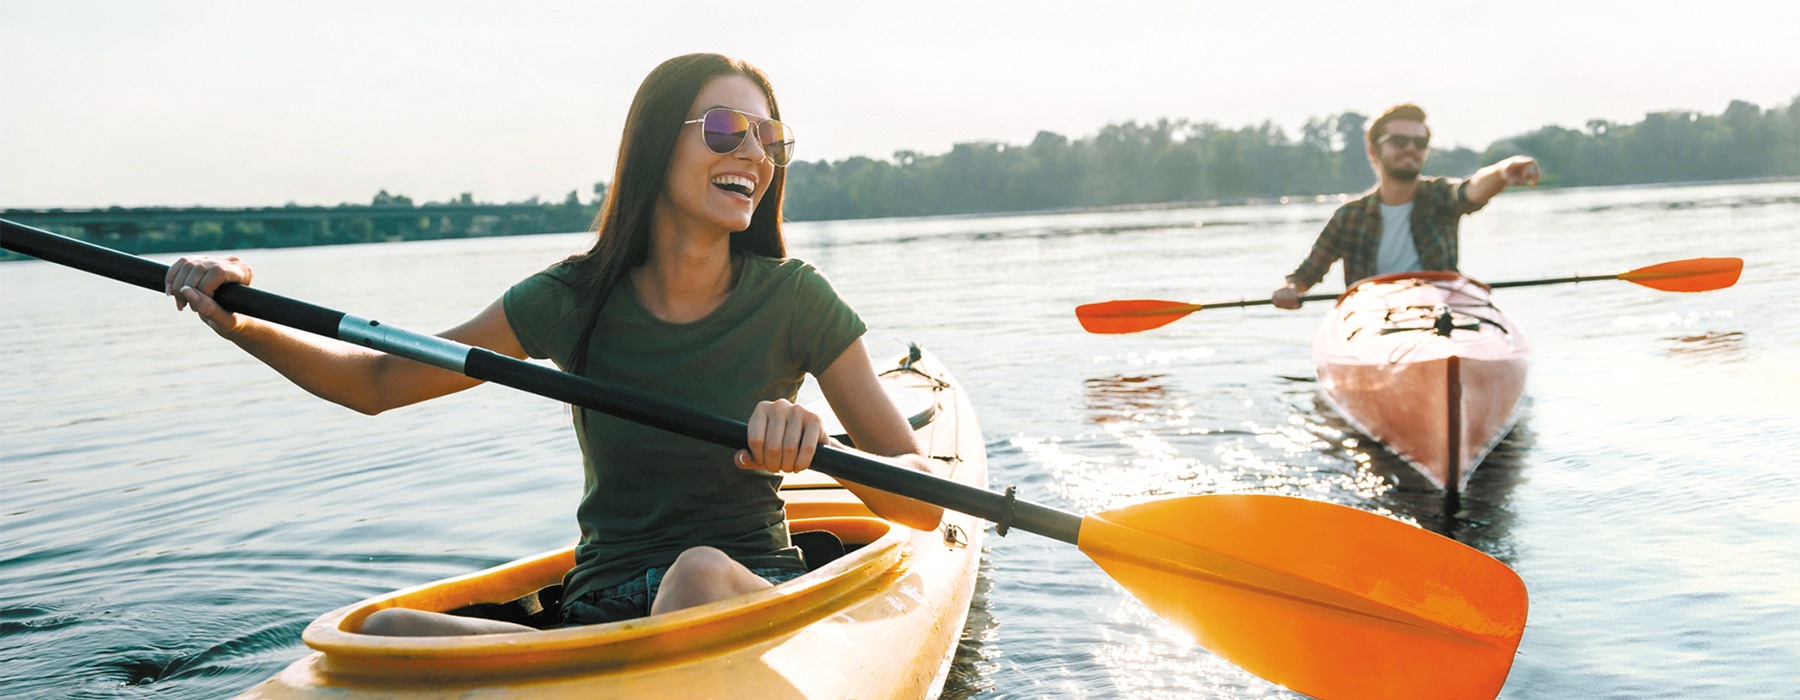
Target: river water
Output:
[{"x": 172, "y": 514}]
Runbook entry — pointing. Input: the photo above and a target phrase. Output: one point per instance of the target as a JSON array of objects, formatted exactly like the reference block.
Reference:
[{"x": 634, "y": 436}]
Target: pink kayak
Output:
[{"x": 1425, "y": 363}]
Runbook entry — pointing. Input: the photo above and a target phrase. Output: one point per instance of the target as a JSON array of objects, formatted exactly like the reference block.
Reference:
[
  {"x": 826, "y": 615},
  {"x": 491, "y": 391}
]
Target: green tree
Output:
[{"x": 383, "y": 199}]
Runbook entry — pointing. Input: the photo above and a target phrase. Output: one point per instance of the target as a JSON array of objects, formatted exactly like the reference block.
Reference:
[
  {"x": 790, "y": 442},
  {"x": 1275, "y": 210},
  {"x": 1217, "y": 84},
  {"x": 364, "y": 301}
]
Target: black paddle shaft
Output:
[
  {"x": 486, "y": 365},
  {"x": 1554, "y": 280}
]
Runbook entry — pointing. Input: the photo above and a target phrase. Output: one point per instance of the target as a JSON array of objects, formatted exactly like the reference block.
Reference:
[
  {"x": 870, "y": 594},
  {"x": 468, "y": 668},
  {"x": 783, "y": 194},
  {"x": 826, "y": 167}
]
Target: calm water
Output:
[{"x": 172, "y": 514}]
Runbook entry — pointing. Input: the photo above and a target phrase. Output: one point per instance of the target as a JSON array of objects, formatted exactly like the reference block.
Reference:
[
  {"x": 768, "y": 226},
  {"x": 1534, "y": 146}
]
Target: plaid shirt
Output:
[{"x": 1354, "y": 233}]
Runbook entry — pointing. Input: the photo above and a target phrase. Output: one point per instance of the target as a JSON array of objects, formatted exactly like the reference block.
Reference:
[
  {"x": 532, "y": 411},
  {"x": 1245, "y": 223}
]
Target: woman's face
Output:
[{"x": 712, "y": 190}]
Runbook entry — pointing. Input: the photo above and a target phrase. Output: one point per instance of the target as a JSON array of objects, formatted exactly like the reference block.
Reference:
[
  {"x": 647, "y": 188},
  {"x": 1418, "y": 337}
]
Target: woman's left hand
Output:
[{"x": 783, "y": 437}]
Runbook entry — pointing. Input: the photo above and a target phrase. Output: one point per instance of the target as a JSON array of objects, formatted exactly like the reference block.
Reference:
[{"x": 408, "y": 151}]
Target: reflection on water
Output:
[
  {"x": 1476, "y": 517},
  {"x": 1486, "y": 513},
  {"x": 1720, "y": 200},
  {"x": 1712, "y": 347},
  {"x": 1099, "y": 225},
  {"x": 1123, "y": 398},
  {"x": 972, "y": 670}
]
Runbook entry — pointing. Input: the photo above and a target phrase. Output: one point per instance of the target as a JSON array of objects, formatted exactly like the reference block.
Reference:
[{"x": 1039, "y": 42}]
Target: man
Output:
[{"x": 1408, "y": 222}]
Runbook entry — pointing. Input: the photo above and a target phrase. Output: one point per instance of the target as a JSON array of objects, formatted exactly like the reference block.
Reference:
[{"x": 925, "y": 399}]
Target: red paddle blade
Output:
[
  {"x": 1691, "y": 275},
  {"x": 1131, "y": 315},
  {"x": 1330, "y": 601}
]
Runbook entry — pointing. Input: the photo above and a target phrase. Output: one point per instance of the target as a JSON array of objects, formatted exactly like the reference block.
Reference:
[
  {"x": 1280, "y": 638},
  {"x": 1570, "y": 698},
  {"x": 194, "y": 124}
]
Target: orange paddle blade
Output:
[
  {"x": 1691, "y": 275},
  {"x": 1326, "y": 600},
  {"x": 1131, "y": 315}
]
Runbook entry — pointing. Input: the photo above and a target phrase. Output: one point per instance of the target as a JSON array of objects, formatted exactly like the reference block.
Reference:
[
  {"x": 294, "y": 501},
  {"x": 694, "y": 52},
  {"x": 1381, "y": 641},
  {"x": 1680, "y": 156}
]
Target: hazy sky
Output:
[{"x": 266, "y": 102}]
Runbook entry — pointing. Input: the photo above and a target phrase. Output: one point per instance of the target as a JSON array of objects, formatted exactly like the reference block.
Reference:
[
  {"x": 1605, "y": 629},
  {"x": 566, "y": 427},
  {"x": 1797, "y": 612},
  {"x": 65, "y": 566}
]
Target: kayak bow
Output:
[{"x": 1425, "y": 363}]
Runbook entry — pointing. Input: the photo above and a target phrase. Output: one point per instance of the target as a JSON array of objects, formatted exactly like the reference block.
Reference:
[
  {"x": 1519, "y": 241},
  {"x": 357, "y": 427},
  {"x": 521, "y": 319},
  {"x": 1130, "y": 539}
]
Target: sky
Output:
[{"x": 267, "y": 102}]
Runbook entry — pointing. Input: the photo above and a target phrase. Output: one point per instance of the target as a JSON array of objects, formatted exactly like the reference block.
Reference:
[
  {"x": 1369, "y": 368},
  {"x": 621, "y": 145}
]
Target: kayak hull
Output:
[
  {"x": 880, "y": 621},
  {"x": 1426, "y": 365}
]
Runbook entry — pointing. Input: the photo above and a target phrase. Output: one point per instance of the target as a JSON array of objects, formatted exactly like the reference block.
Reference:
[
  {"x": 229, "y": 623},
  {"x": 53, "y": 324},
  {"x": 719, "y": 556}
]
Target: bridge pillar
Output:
[
  {"x": 124, "y": 237},
  {"x": 287, "y": 233}
]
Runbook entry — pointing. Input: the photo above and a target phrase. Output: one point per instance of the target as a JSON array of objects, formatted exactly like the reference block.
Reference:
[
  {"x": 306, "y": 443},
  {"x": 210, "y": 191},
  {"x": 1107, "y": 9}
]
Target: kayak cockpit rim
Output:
[{"x": 675, "y": 637}]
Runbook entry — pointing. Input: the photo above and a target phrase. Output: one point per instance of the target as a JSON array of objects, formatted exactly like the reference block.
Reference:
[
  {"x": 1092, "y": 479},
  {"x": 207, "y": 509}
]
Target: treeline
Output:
[
  {"x": 1164, "y": 162},
  {"x": 1181, "y": 161},
  {"x": 571, "y": 214},
  {"x": 1745, "y": 141}
]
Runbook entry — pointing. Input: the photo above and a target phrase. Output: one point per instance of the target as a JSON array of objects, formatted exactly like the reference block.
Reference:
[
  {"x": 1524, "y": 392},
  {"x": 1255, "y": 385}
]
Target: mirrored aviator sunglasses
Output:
[{"x": 725, "y": 131}]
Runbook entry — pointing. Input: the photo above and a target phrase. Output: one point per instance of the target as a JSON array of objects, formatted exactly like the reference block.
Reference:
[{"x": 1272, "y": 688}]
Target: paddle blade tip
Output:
[
  {"x": 1691, "y": 275},
  {"x": 1122, "y": 316},
  {"x": 1323, "y": 599}
]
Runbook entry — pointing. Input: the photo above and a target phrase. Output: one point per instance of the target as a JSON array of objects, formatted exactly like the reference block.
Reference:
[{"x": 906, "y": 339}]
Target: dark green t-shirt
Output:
[{"x": 650, "y": 494}]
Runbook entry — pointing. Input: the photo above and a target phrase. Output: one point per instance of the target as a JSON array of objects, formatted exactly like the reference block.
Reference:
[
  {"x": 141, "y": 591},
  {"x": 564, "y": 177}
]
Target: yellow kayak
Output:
[{"x": 880, "y": 621}]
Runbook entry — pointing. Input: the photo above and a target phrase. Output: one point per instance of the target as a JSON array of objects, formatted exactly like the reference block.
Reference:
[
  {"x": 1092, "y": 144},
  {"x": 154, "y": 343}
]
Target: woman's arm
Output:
[
  {"x": 365, "y": 380},
  {"x": 876, "y": 426},
  {"x": 784, "y": 436}
]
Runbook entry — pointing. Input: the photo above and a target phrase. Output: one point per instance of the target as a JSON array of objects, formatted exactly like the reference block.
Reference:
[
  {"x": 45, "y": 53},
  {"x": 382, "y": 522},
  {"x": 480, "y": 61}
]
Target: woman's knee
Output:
[
  {"x": 393, "y": 622},
  {"x": 706, "y": 562},
  {"x": 702, "y": 575},
  {"x": 404, "y": 622}
]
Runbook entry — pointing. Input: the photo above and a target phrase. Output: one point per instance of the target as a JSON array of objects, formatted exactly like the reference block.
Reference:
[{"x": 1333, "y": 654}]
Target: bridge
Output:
[{"x": 168, "y": 229}]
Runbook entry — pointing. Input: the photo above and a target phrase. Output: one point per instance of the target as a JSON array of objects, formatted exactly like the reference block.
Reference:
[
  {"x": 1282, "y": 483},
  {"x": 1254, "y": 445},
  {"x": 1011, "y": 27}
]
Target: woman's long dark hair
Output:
[{"x": 623, "y": 227}]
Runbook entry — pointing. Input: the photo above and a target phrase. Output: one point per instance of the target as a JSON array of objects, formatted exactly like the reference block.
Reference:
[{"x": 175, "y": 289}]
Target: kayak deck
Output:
[
  {"x": 1427, "y": 365},
  {"x": 882, "y": 620}
]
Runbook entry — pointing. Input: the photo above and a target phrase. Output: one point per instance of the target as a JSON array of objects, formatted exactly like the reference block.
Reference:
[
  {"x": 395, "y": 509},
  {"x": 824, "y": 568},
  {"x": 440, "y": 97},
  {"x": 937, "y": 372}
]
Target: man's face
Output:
[{"x": 1401, "y": 151}]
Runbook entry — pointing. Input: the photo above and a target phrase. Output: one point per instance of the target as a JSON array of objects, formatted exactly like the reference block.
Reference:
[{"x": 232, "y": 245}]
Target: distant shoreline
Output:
[{"x": 189, "y": 229}]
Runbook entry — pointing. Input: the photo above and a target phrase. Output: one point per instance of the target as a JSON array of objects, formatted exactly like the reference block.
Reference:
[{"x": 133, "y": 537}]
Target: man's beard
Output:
[{"x": 1400, "y": 174}]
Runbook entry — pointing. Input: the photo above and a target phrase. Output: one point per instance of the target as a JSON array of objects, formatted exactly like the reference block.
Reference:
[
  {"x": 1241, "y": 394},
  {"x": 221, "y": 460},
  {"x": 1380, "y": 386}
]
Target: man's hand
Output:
[
  {"x": 1494, "y": 179},
  {"x": 1287, "y": 297},
  {"x": 1520, "y": 170}
]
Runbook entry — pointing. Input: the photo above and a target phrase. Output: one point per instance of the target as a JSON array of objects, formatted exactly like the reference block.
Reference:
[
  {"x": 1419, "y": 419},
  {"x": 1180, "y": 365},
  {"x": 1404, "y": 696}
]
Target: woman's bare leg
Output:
[
  {"x": 702, "y": 575},
  {"x": 404, "y": 622}
]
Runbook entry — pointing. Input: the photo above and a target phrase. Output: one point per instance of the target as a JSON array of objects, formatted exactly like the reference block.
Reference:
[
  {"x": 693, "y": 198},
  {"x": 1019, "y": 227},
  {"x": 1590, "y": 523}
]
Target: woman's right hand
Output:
[
  {"x": 783, "y": 437},
  {"x": 192, "y": 281}
]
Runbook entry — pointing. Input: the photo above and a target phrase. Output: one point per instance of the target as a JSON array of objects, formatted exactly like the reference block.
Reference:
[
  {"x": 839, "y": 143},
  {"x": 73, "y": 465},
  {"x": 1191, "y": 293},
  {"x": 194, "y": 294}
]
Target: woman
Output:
[{"x": 685, "y": 294}]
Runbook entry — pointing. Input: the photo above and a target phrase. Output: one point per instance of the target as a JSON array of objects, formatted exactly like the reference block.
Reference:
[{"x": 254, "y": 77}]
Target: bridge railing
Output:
[{"x": 173, "y": 230}]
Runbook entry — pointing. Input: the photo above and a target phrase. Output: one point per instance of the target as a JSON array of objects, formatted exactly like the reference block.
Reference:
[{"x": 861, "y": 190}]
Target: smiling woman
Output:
[{"x": 685, "y": 293}]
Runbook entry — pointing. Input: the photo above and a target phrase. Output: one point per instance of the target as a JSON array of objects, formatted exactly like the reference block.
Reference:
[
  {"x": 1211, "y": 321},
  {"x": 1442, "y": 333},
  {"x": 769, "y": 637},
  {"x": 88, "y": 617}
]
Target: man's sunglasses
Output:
[
  {"x": 726, "y": 129},
  {"x": 1400, "y": 141}
]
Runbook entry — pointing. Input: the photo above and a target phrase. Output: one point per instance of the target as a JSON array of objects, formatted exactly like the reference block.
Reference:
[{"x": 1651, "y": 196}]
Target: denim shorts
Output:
[{"x": 632, "y": 599}]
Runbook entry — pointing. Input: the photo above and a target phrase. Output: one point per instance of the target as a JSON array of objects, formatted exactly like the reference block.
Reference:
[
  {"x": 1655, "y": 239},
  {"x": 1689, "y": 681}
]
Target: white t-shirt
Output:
[{"x": 1397, "y": 252}]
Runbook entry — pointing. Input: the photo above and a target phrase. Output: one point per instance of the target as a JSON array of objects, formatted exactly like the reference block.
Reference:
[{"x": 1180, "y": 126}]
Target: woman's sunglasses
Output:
[
  {"x": 1399, "y": 141},
  {"x": 726, "y": 129}
]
